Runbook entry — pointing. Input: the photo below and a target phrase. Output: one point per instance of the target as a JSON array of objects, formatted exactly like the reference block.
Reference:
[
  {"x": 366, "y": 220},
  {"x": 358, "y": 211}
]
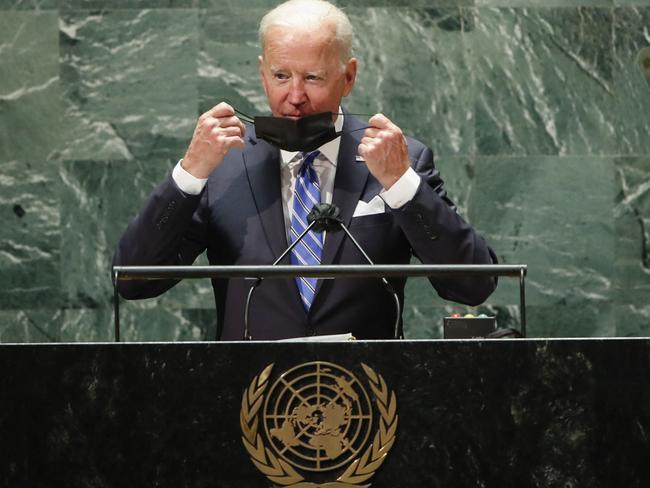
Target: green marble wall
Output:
[{"x": 536, "y": 109}]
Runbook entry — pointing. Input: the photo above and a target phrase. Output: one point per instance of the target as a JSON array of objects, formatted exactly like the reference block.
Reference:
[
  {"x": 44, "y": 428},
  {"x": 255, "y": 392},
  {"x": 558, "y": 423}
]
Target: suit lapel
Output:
[
  {"x": 262, "y": 162},
  {"x": 349, "y": 182}
]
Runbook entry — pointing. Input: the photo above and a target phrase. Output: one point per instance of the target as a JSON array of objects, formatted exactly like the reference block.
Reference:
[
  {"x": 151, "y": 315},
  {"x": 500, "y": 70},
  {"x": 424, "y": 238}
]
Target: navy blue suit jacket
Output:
[{"x": 238, "y": 219}]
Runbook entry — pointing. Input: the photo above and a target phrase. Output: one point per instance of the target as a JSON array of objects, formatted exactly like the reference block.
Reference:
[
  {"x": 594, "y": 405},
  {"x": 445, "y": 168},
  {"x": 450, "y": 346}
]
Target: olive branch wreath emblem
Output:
[{"x": 282, "y": 473}]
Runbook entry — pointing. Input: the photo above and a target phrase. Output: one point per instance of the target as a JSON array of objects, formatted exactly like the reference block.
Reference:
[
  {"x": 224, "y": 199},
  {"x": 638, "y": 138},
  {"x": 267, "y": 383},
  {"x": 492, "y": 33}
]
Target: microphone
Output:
[{"x": 325, "y": 217}]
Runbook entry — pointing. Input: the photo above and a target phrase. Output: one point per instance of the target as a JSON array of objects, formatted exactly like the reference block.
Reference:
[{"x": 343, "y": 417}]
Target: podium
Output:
[{"x": 467, "y": 413}]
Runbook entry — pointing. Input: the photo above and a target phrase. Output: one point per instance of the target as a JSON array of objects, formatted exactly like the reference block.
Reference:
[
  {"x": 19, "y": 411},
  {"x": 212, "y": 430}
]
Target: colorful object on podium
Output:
[{"x": 468, "y": 326}]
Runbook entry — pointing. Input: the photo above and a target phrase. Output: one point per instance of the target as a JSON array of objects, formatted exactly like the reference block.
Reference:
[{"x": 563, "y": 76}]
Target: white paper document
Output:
[{"x": 322, "y": 338}]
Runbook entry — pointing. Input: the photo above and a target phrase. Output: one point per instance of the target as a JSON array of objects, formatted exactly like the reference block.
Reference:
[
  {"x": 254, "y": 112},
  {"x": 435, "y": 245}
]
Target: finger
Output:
[
  {"x": 239, "y": 143},
  {"x": 371, "y": 132},
  {"x": 379, "y": 121},
  {"x": 228, "y": 131},
  {"x": 232, "y": 142},
  {"x": 221, "y": 110},
  {"x": 367, "y": 142},
  {"x": 363, "y": 150},
  {"x": 229, "y": 121},
  {"x": 384, "y": 123},
  {"x": 226, "y": 122},
  {"x": 240, "y": 124}
]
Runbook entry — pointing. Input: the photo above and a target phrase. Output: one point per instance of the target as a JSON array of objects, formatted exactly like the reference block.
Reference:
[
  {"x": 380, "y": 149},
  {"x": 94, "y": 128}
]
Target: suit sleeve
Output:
[
  {"x": 168, "y": 230},
  {"x": 438, "y": 235}
]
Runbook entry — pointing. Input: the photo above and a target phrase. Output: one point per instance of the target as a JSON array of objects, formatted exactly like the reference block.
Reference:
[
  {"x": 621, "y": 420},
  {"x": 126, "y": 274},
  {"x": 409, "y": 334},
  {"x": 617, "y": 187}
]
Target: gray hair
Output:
[{"x": 311, "y": 12}]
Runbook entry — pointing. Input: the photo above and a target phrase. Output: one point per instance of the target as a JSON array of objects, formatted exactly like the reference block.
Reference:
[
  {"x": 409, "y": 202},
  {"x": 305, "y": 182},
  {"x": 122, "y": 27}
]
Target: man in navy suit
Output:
[{"x": 232, "y": 195}]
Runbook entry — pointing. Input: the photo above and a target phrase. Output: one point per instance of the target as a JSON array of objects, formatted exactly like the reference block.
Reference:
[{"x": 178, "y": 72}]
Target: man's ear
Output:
[
  {"x": 350, "y": 75},
  {"x": 260, "y": 64}
]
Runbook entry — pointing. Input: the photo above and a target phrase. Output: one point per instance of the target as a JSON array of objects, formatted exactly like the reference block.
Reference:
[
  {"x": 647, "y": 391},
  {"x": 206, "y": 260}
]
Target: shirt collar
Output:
[{"x": 330, "y": 149}]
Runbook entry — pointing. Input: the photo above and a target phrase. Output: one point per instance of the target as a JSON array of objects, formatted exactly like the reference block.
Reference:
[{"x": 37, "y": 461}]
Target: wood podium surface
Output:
[{"x": 476, "y": 413}]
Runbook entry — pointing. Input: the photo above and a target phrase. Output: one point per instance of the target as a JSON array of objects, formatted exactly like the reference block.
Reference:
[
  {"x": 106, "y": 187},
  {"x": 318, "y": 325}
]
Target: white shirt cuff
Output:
[
  {"x": 402, "y": 191},
  {"x": 186, "y": 182}
]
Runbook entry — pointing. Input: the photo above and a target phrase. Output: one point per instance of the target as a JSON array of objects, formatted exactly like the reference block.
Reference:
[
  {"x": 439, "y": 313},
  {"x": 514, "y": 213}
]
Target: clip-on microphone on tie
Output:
[{"x": 324, "y": 217}]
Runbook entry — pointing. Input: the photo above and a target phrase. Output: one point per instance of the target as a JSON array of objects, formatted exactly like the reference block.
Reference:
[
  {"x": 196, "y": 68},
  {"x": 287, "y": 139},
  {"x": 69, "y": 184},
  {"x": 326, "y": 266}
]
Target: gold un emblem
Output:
[{"x": 317, "y": 421}]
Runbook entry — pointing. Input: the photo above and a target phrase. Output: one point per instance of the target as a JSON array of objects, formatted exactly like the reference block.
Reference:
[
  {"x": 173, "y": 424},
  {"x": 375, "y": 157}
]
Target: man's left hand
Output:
[{"x": 384, "y": 148}]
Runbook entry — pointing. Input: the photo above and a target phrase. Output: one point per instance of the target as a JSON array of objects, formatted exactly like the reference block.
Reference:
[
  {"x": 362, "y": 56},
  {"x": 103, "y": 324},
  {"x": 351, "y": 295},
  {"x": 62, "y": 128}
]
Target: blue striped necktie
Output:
[{"x": 308, "y": 251}]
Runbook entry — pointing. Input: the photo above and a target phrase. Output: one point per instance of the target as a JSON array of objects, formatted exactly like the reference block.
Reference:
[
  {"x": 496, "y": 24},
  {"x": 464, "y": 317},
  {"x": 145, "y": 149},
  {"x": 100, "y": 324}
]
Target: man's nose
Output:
[{"x": 297, "y": 92}]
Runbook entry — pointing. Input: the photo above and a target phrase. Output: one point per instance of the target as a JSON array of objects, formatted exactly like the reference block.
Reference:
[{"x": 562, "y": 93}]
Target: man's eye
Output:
[
  {"x": 312, "y": 78},
  {"x": 281, "y": 76}
]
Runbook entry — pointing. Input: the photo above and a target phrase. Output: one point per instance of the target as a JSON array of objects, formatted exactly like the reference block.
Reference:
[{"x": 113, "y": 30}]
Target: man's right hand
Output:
[{"x": 217, "y": 132}]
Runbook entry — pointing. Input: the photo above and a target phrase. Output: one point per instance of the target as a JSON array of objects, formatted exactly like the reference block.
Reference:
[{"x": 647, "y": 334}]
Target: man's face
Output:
[{"x": 301, "y": 72}]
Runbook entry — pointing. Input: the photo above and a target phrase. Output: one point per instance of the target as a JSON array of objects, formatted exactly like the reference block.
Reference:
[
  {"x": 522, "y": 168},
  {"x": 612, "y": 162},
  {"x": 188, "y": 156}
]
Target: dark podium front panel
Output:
[{"x": 501, "y": 413}]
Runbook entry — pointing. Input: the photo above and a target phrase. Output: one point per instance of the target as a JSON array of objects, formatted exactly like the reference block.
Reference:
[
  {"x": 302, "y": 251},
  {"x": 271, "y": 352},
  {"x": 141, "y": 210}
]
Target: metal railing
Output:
[{"x": 121, "y": 273}]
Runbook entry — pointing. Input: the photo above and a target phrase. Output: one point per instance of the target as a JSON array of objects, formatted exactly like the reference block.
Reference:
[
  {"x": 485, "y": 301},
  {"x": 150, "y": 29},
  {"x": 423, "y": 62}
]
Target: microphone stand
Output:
[
  {"x": 258, "y": 281},
  {"x": 325, "y": 217},
  {"x": 398, "y": 333}
]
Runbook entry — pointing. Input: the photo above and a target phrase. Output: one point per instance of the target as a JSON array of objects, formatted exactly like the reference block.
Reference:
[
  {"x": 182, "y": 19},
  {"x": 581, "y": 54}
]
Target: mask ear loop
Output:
[
  {"x": 360, "y": 128},
  {"x": 244, "y": 117},
  {"x": 350, "y": 113}
]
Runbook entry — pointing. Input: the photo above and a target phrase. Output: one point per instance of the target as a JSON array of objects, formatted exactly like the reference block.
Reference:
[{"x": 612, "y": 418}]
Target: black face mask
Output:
[{"x": 304, "y": 134}]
